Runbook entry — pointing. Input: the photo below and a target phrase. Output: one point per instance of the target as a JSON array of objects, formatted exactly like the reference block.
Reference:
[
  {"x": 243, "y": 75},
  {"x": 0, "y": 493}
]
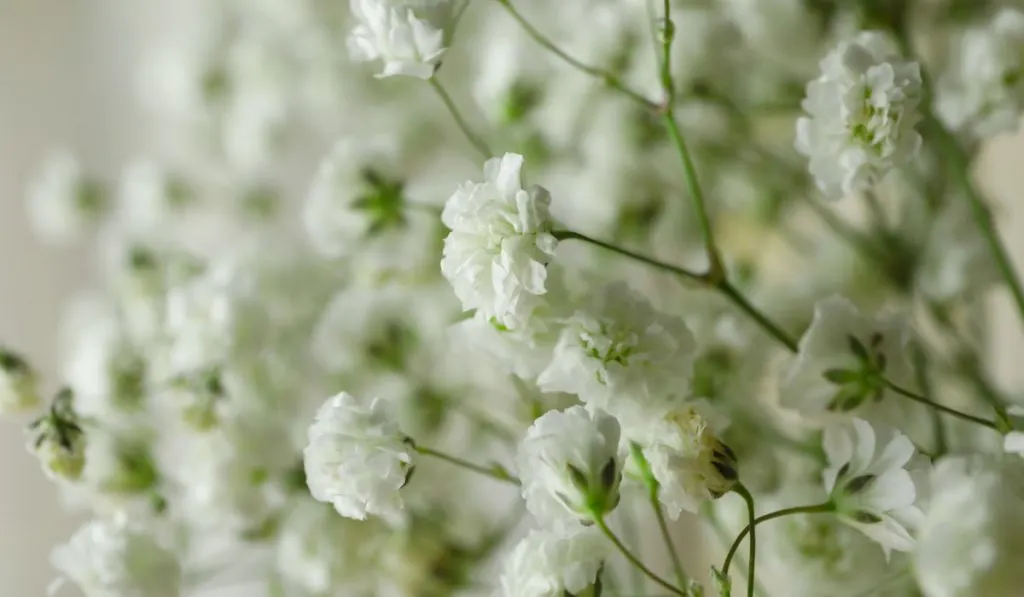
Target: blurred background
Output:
[{"x": 68, "y": 73}]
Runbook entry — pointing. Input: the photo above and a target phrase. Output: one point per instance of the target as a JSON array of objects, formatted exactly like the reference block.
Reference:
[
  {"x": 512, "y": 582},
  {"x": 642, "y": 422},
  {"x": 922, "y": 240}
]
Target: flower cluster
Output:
[{"x": 645, "y": 303}]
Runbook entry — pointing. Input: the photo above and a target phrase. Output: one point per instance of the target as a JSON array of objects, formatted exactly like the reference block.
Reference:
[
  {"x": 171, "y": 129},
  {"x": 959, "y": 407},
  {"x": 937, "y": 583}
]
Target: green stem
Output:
[
  {"x": 478, "y": 143},
  {"x": 494, "y": 473},
  {"x": 826, "y": 507},
  {"x": 716, "y": 269},
  {"x": 677, "y": 565},
  {"x": 569, "y": 234},
  {"x": 752, "y": 517},
  {"x": 633, "y": 559},
  {"x": 606, "y": 76},
  {"x": 754, "y": 313},
  {"x": 667, "y": 35},
  {"x": 982, "y": 216},
  {"x": 920, "y": 362},
  {"x": 949, "y": 411}
]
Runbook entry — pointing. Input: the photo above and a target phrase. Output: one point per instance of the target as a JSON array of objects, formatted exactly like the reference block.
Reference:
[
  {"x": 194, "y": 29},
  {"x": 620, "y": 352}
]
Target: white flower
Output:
[
  {"x": 811, "y": 555},
  {"x": 956, "y": 259},
  {"x": 149, "y": 196},
  {"x": 547, "y": 564},
  {"x": 841, "y": 359},
  {"x": 407, "y": 45},
  {"x": 972, "y": 541},
  {"x": 18, "y": 384},
  {"x": 869, "y": 483},
  {"x": 353, "y": 195},
  {"x": 357, "y": 459},
  {"x": 618, "y": 345},
  {"x": 57, "y": 439},
  {"x": 690, "y": 463},
  {"x": 984, "y": 90},
  {"x": 324, "y": 554},
  {"x": 570, "y": 466},
  {"x": 108, "y": 559},
  {"x": 861, "y": 115},
  {"x": 200, "y": 321},
  {"x": 62, "y": 202},
  {"x": 500, "y": 243}
]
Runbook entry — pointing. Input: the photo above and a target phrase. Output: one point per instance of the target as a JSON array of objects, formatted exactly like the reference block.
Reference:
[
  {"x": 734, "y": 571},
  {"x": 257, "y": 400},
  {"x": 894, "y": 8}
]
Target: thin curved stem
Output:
[
  {"x": 494, "y": 473},
  {"x": 633, "y": 559},
  {"x": 826, "y": 507},
  {"x": 751, "y": 515},
  {"x": 569, "y": 234},
  {"x": 716, "y": 265},
  {"x": 606, "y": 76},
  {"x": 666, "y": 52},
  {"x": 478, "y": 143},
  {"x": 754, "y": 313},
  {"x": 949, "y": 411},
  {"x": 677, "y": 566}
]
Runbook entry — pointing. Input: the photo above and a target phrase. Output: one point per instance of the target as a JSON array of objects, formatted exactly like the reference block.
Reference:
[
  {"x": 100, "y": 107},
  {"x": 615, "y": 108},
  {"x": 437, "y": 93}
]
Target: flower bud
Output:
[{"x": 18, "y": 383}]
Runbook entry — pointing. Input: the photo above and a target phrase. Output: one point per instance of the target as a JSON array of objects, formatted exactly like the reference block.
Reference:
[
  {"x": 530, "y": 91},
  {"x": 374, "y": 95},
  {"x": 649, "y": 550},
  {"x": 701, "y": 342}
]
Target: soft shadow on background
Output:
[{"x": 67, "y": 78}]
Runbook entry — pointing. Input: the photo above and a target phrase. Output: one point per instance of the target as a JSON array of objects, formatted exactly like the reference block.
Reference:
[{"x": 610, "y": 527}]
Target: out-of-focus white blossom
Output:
[
  {"x": 549, "y": 564},
  {"x": 57, "y": 439},
  {"x": 62, "y": 202},
  {"x": 956, "y": 259},
  {"x": 357, "y": 459},
  {"x": 570, "y": 467},
  {"x": 810, "y": 555},
  {"x": 392, "y": 33},
  {"x": 324, "y": 554},
  {"x": 843, "y": 361},
  {"x": 353, "y": 195},
  {"x": 861, "y": 114},
  {"x": 972, "y": 541},
  {"x": 869, "y": 484},
  {"x": 618, "y": 348},
  {"x": 18, "y": 384},
  {"x": 984, "y": 90},
  {"x": 500, "y": 244},
  {"x": 110, "y": 559}
]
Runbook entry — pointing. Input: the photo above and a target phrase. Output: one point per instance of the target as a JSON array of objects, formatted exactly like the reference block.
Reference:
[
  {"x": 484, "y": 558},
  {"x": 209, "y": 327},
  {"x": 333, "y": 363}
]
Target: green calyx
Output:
[
  {"x": 383, "y": 201},
  {"x": 863, "y": 381}
]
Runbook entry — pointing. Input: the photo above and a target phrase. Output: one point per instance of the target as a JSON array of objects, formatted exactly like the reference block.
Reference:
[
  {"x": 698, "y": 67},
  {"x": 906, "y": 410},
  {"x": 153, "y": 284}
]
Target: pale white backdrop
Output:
[{"x": 67, "y": 78}]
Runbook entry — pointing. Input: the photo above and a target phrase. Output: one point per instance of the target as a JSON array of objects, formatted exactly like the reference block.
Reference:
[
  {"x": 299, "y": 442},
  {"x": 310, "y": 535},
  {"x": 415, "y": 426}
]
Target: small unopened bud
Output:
[
  {"x": 18, "y": 384},
  {"x": 58, "y": 440},
  {"x": 666, "y": 31}
]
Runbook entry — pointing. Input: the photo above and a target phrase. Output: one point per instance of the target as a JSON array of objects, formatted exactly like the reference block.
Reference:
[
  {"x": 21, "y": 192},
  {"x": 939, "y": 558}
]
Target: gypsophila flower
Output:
[
  {"x": 324, "y": 554},
  {"x": 57, "y": 439},
  {"x": 548, "y": 564},
  {"x": 109, "y": 559},
  {"x": 688, "y": 460},
  {"x": 18, "y": 383},
  {"x": 869, "y": 484},
  {"x": 861, "y": 113},
  {"x": 62, "y": 201},
  {"x": 844, "y": 360},
  {"x": 984, "y": 90},
  {"x": 619, "y": 345},
  {"x": 357, "y": 459},
  {"x": 810, "y": 555},
  {"x": 570, "y": 467},
  {"x": 500, "y": 243},
  {"x": 393, "y": 34},
  {"x": 353, "y": 196},
  {"x": 972, "y": 541}
]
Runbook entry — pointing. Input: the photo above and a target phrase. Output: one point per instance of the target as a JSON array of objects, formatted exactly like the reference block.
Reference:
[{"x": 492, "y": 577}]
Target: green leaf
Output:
[{"x": 841, "y": 376}]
